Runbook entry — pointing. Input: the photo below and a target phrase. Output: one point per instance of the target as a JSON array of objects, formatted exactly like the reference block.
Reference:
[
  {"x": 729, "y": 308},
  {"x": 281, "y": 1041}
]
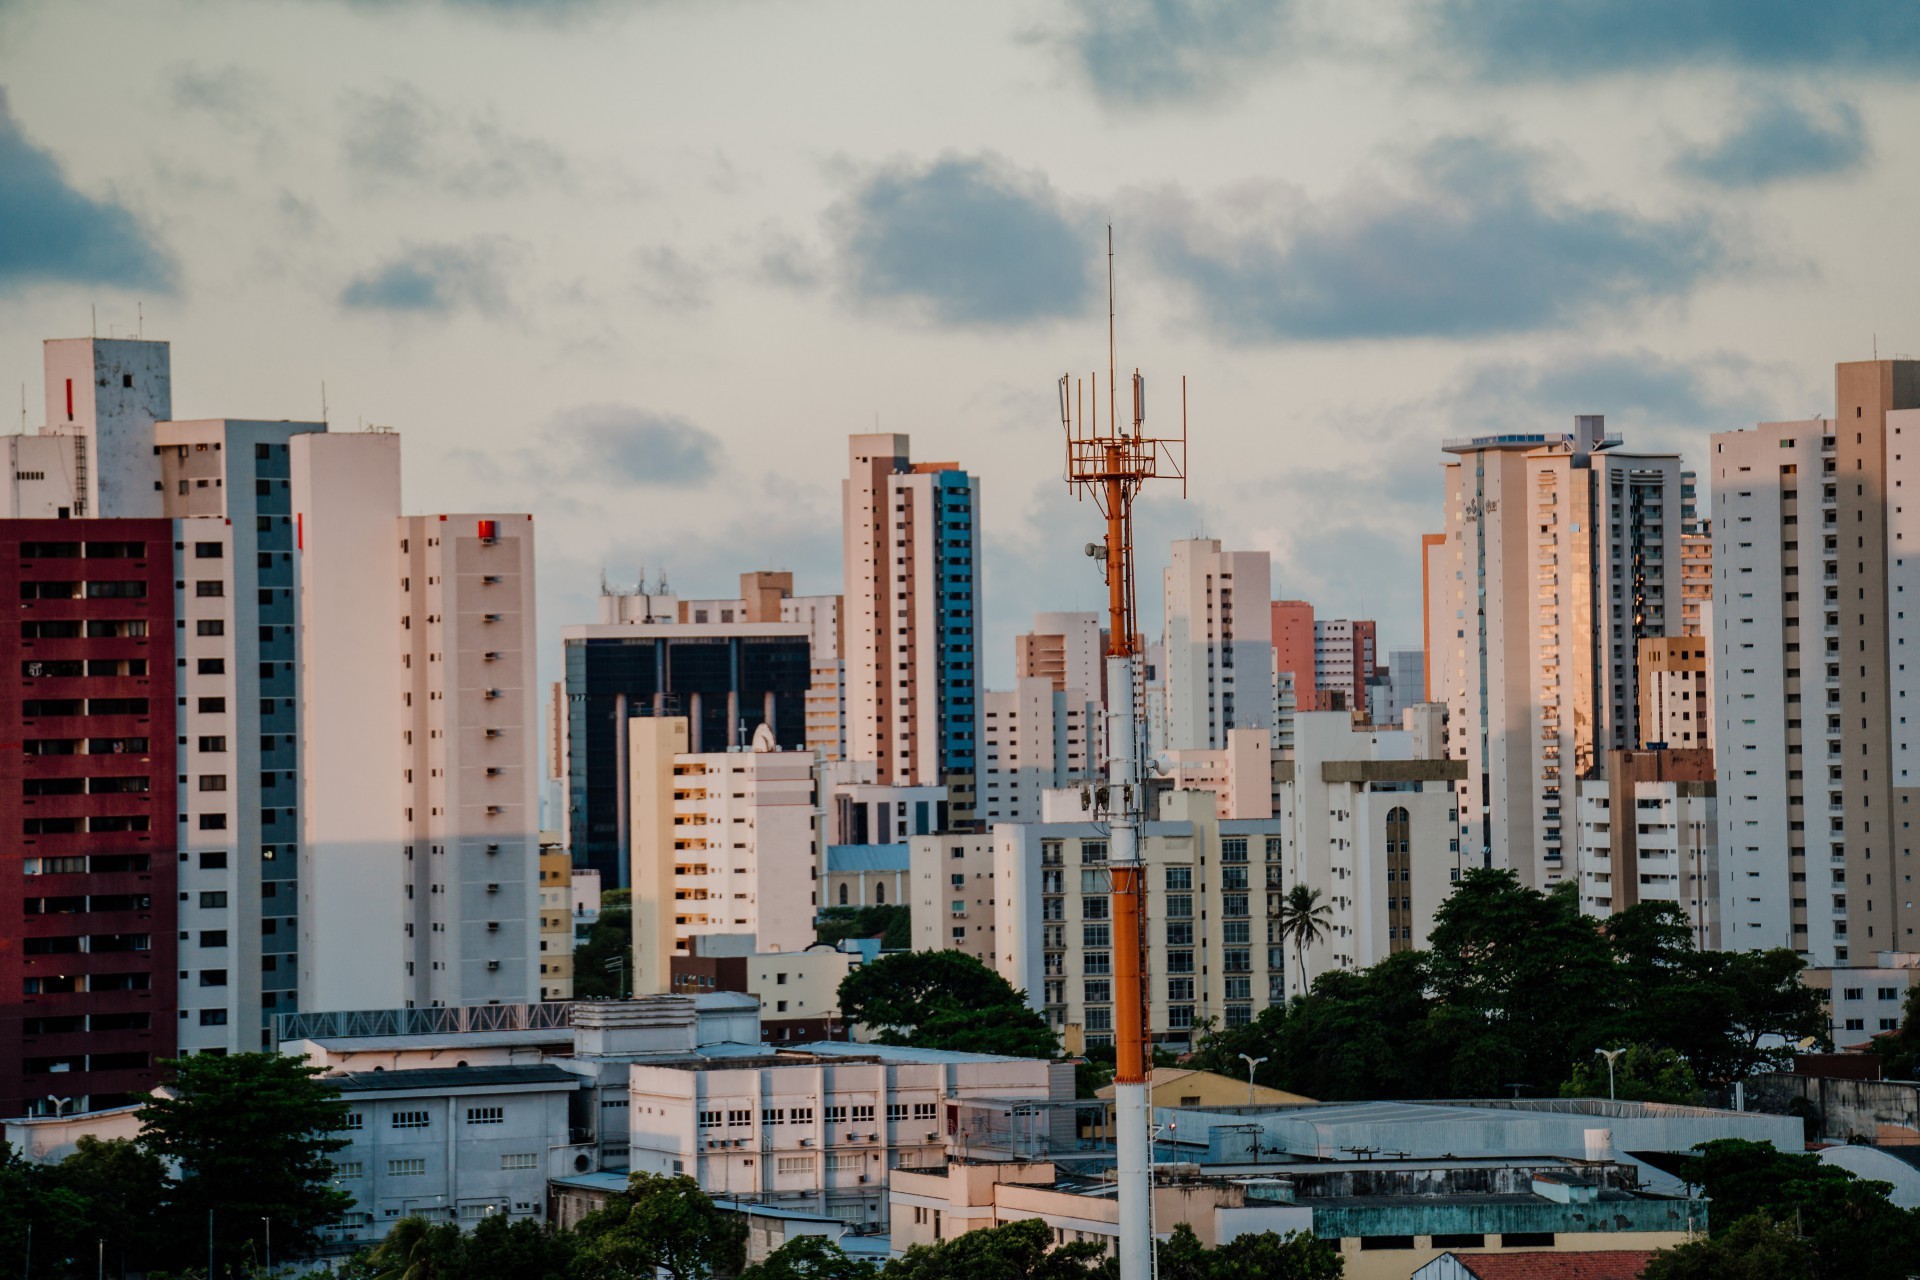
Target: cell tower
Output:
[{"x": 1111, "y": 469}]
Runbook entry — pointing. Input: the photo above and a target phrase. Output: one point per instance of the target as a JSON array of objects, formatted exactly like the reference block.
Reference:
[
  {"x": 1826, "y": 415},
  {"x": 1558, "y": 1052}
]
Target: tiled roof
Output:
[{"x": 1620, "y": 1264}]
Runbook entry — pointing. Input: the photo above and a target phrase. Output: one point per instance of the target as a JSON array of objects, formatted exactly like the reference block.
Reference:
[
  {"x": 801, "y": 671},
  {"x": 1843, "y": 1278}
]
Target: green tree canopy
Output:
[
  {"x": 1641, "y": 1074},
  {"x": 609, "y": 938},
  {"x": 810, "y": 1258},
  {"x": 1900, "y": 1051},
  {"x": 1754, "y": 1248},
  {"x": 944, "y": 1000},
  {"x": 1017, "y": 1251},
  {"x": 892, "y": 923},
  {"x": 251, "y": 1133},
  {"x": 658, "y": 1224},
  {"x": 1854, "y": 1230},
  {"x": 1518, "y": 987}
]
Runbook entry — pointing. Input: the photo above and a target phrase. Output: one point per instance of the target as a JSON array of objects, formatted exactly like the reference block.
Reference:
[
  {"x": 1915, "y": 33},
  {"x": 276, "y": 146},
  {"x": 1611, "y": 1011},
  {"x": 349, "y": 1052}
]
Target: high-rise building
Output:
[
  {"x": 1033, "y": 737},
  {"x": 1648, "y": 832},
  {"x": 87, "y": 798},
  {"x": 1293, "y": 652},
  {"x": 768, "y": 597},
  {"x": 1560, "y": 555},
  {"x": 723, "y": 847},
  {"x": 419, "y": 835},
  {"x": 105, "y": 395},
  {"x": 912, "y": 610},
  {"x": 1219, "y": 668},
  {"x": 1403, "y": 686},
  {"x": 726, "y": 679},
  {"x": 1065, "y": 649},
  {"x": 1332, "y": 661},
  {"x": 1676, "y": 692},
  {"x": 1817, "y": 673}
]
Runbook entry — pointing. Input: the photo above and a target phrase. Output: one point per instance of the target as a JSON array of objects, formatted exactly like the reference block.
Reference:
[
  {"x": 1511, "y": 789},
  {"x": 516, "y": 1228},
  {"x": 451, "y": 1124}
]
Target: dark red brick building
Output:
[{"x": 88, "y": 812}]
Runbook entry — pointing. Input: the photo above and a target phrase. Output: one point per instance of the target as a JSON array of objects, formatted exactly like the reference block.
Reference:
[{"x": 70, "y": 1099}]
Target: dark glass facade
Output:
[{"x": 726, "y": 686}]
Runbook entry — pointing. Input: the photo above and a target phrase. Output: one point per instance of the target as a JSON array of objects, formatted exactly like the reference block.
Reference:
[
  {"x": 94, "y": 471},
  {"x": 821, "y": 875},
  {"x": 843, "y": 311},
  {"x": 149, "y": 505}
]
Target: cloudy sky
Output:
[{"x": 640, "y": 267}]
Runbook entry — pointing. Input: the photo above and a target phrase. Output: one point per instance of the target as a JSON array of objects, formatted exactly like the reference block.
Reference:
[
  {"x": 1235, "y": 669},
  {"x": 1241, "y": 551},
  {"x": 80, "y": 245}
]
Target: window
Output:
[
  {"x": 213, "y": 1017},
  {"x": 213, "y": 937},
  {"x": 206, "y": 551},
  {"x": 793, "y": 1164},
  {"x": 209, "y": 590},
  {"x": 923, "y": 1111},
  {"x": 209, "y": 627},
  {"x": 349, "y": 1169},
  {"x": 213, "y": 743},
  {"x": 711, "y": 1119},
  {"x": 519, "y": 1160},
  {"x": 213, "y": 782},
  {"x": 1180, "y": 878},
  {"x": 213, "y": 977},
  {"x": 213, "y": 706},
  {"x": 408, "y": 1120},
  {"x": 356, "y": 1119},
  {"x": 213, "y": 899},
  {"x": 406, "y": 1168},
  {"x": 486, "y": 1115},
  {"x": 211, "y": 666},
  {"x": 863, "y": 1113}
]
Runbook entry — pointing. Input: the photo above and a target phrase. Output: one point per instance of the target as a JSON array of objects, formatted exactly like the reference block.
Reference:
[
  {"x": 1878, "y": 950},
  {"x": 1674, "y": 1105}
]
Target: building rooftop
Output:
[
  {"x": 1617, "y": 1264},
  {"x": 866, "y": 857},
  {"x": 454, "y": 1078},
  {"x": 898, "y": 1053},
  {"x": 462, "y": 1040}
]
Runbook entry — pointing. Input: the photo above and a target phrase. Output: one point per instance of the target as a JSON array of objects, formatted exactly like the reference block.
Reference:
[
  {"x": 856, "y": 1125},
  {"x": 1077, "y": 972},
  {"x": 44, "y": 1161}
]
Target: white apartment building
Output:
[
  {"x": 1033, "y": 737},
  {"x": 1066, "y": 649},
  {"x": 450, "y": 1144},
  {"x": 723, "y": 846},
  {"x": 912, "y": 615},
  {"x": 1366, "y": 817},
  {"x": 856, "y": 810},
  {"x": 1208, "y": 958},
  {"x": 419, "y": 848},
  {"x": 1817, "y": 673},
  {"x": 1648, "y": 832},
  {"x": 1676, "y": 692},
  {"x": 1561, "y": 553},
  {"x": 1219, "y": 643},
  {"x": 821, "y": 1128},
  {"x": 1869, "y": 999},
  {"x": 1405, "y": 686}
]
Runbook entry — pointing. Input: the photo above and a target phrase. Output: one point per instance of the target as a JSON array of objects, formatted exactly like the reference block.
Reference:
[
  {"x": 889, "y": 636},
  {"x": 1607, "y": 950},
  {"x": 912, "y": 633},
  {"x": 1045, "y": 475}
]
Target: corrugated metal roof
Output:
[{"x": 866, "y": 857}]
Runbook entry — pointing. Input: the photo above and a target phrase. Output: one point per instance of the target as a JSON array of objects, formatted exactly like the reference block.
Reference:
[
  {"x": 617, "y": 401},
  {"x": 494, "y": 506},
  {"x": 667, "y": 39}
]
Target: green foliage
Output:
[
  {"x": 810, "y": 1258},
  {"x": 1900, "y": 1051},
  {"x": 251, "y": 1134},
  {"x": 1754, "y": 1248},
  {"x": 892, "y": 924},
  {"x": 609, "y": 938},
  {"x": 1854, "y": 1230},
  {"x": 1641, "y": 1074},
  {"x": 659, "y": 1224},
  {"x": 1519, "y": 987},
  {"x": 944, "y": 1000},
  {"x": 1017, "y": 1251},
  {"x": 1297, "y": 1255},
  {"x": 1303, "y": 920},
  {"x": 496, "y": 1249}
]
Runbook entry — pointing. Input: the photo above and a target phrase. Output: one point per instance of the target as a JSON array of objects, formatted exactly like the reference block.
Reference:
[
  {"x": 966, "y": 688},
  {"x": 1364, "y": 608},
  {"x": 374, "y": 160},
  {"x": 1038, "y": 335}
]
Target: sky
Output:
[{"x": 640, "y": 267}]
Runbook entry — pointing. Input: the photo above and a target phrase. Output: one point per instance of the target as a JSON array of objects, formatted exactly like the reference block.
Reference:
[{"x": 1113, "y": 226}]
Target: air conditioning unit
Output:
[
  {"x": 873, "y": 1137},
  {"x": 806, "y": 1142},
  {"x": 493, "y": 888},
  {"x": 493, "y": 848},
  {"x": 933, "y": 1136},
  {"x": 959, "y": 915},
  {"x": 493, "y": 926},
  {"x": 863, "y": 1177}
]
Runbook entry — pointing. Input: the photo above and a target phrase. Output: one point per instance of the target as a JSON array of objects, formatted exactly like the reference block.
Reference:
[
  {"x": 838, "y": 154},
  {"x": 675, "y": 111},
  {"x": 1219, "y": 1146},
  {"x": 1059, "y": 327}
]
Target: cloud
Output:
[
  {"x": 398, "y": 138},
  {"x": 1780, "y": 140},
  {"x": 1145, "y": 52},
  {"x": 1476, "y": 242},
  {"x": 621, "y": 444},
  {"x": 669, "y": 280},
  {"x": 233, "y": 97},
  {"x": 437, "y": 279},
  {"x": 1636, "y": 388},
  {"x": 1516, "y": 39},
  {"x": 965, "y": 241},
  {"x": 54, "y": 234}
]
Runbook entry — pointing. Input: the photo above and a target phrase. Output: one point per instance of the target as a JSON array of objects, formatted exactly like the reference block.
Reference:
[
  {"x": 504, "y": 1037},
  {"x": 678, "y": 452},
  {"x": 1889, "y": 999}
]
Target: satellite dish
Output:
[{"x": 763, "y": 738}]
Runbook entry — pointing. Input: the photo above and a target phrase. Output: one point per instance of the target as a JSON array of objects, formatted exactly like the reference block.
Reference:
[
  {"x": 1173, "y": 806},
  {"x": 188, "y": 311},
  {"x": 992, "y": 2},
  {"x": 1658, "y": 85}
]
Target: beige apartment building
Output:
[
  {"x": 556, "y": 921},
  {"x": 1562, "y": 551}
]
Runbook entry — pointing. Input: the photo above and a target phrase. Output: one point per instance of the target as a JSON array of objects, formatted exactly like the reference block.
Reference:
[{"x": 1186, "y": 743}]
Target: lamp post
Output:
[
  {"x": 269, "y": 1223},
  {"x": 1252, "y": 1062},
  {"x": 1610, "y": 1055}
]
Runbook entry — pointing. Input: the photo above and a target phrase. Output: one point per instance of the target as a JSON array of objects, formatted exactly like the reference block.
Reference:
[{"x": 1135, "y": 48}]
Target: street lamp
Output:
[
  {"x": 1610, "y": 1055},
  {"x": 1251, "y": 1062},
  {"x": 269, "y": 1222}
]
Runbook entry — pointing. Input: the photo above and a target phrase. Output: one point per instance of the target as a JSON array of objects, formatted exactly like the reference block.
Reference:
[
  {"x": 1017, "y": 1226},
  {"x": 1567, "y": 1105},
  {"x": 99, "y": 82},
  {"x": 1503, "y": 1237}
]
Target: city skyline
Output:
[{"x": 646, "y": 267}]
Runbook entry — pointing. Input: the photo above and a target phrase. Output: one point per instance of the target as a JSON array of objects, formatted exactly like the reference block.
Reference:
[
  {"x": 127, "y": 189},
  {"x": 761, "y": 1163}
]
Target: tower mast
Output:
[{"x": 1111, "y": 469}]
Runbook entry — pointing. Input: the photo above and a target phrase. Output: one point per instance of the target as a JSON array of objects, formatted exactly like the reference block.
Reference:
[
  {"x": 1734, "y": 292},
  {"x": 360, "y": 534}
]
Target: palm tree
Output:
[
  {"x": 416, "y": 1249},
  {"x": 1303, "y": 921}
]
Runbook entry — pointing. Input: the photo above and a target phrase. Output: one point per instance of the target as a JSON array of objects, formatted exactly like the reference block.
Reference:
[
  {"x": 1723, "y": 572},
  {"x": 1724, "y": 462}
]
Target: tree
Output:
[
  {"x": 609, "y": 938},
  {"x": 1303, "y": 920},
  {"x": 660, "y": 1223},
  {"x": 1754, "y": 1248},
  {"x": 892, "y": 923},
  {"x": 1853, "y": 1228},
  {"x": 810, "y": 1258},
  {"x": 123, "y": 1187},
  {"x": 1297, "y": 1255},
  {"x": 1900, "y": 1050},
  {"x": 1641, "y": 1074},
  {"x": 416, "y": 1249},
  {"x": 944, "y": 1000},
  {"x": 251, "y": 1134},
  {"x": 1017, "y": 1251}
]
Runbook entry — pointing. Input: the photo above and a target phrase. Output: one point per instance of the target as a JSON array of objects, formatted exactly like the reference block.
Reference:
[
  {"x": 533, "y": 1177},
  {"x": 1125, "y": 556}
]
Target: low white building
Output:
[
  {"x": 1866, "y": 1000},
  {"x": 452, "y": 1144},
  {"x": 821, "y": 1127}
]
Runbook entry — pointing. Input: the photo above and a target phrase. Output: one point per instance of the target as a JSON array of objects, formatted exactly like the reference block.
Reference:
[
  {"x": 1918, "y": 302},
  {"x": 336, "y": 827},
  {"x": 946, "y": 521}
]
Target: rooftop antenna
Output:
[
  {"x": 93, "y": 320},
  {"x": 140, "y": 320},
  {"x": 1111, "y": 469},
  {"x": 323, "y": 400}
]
